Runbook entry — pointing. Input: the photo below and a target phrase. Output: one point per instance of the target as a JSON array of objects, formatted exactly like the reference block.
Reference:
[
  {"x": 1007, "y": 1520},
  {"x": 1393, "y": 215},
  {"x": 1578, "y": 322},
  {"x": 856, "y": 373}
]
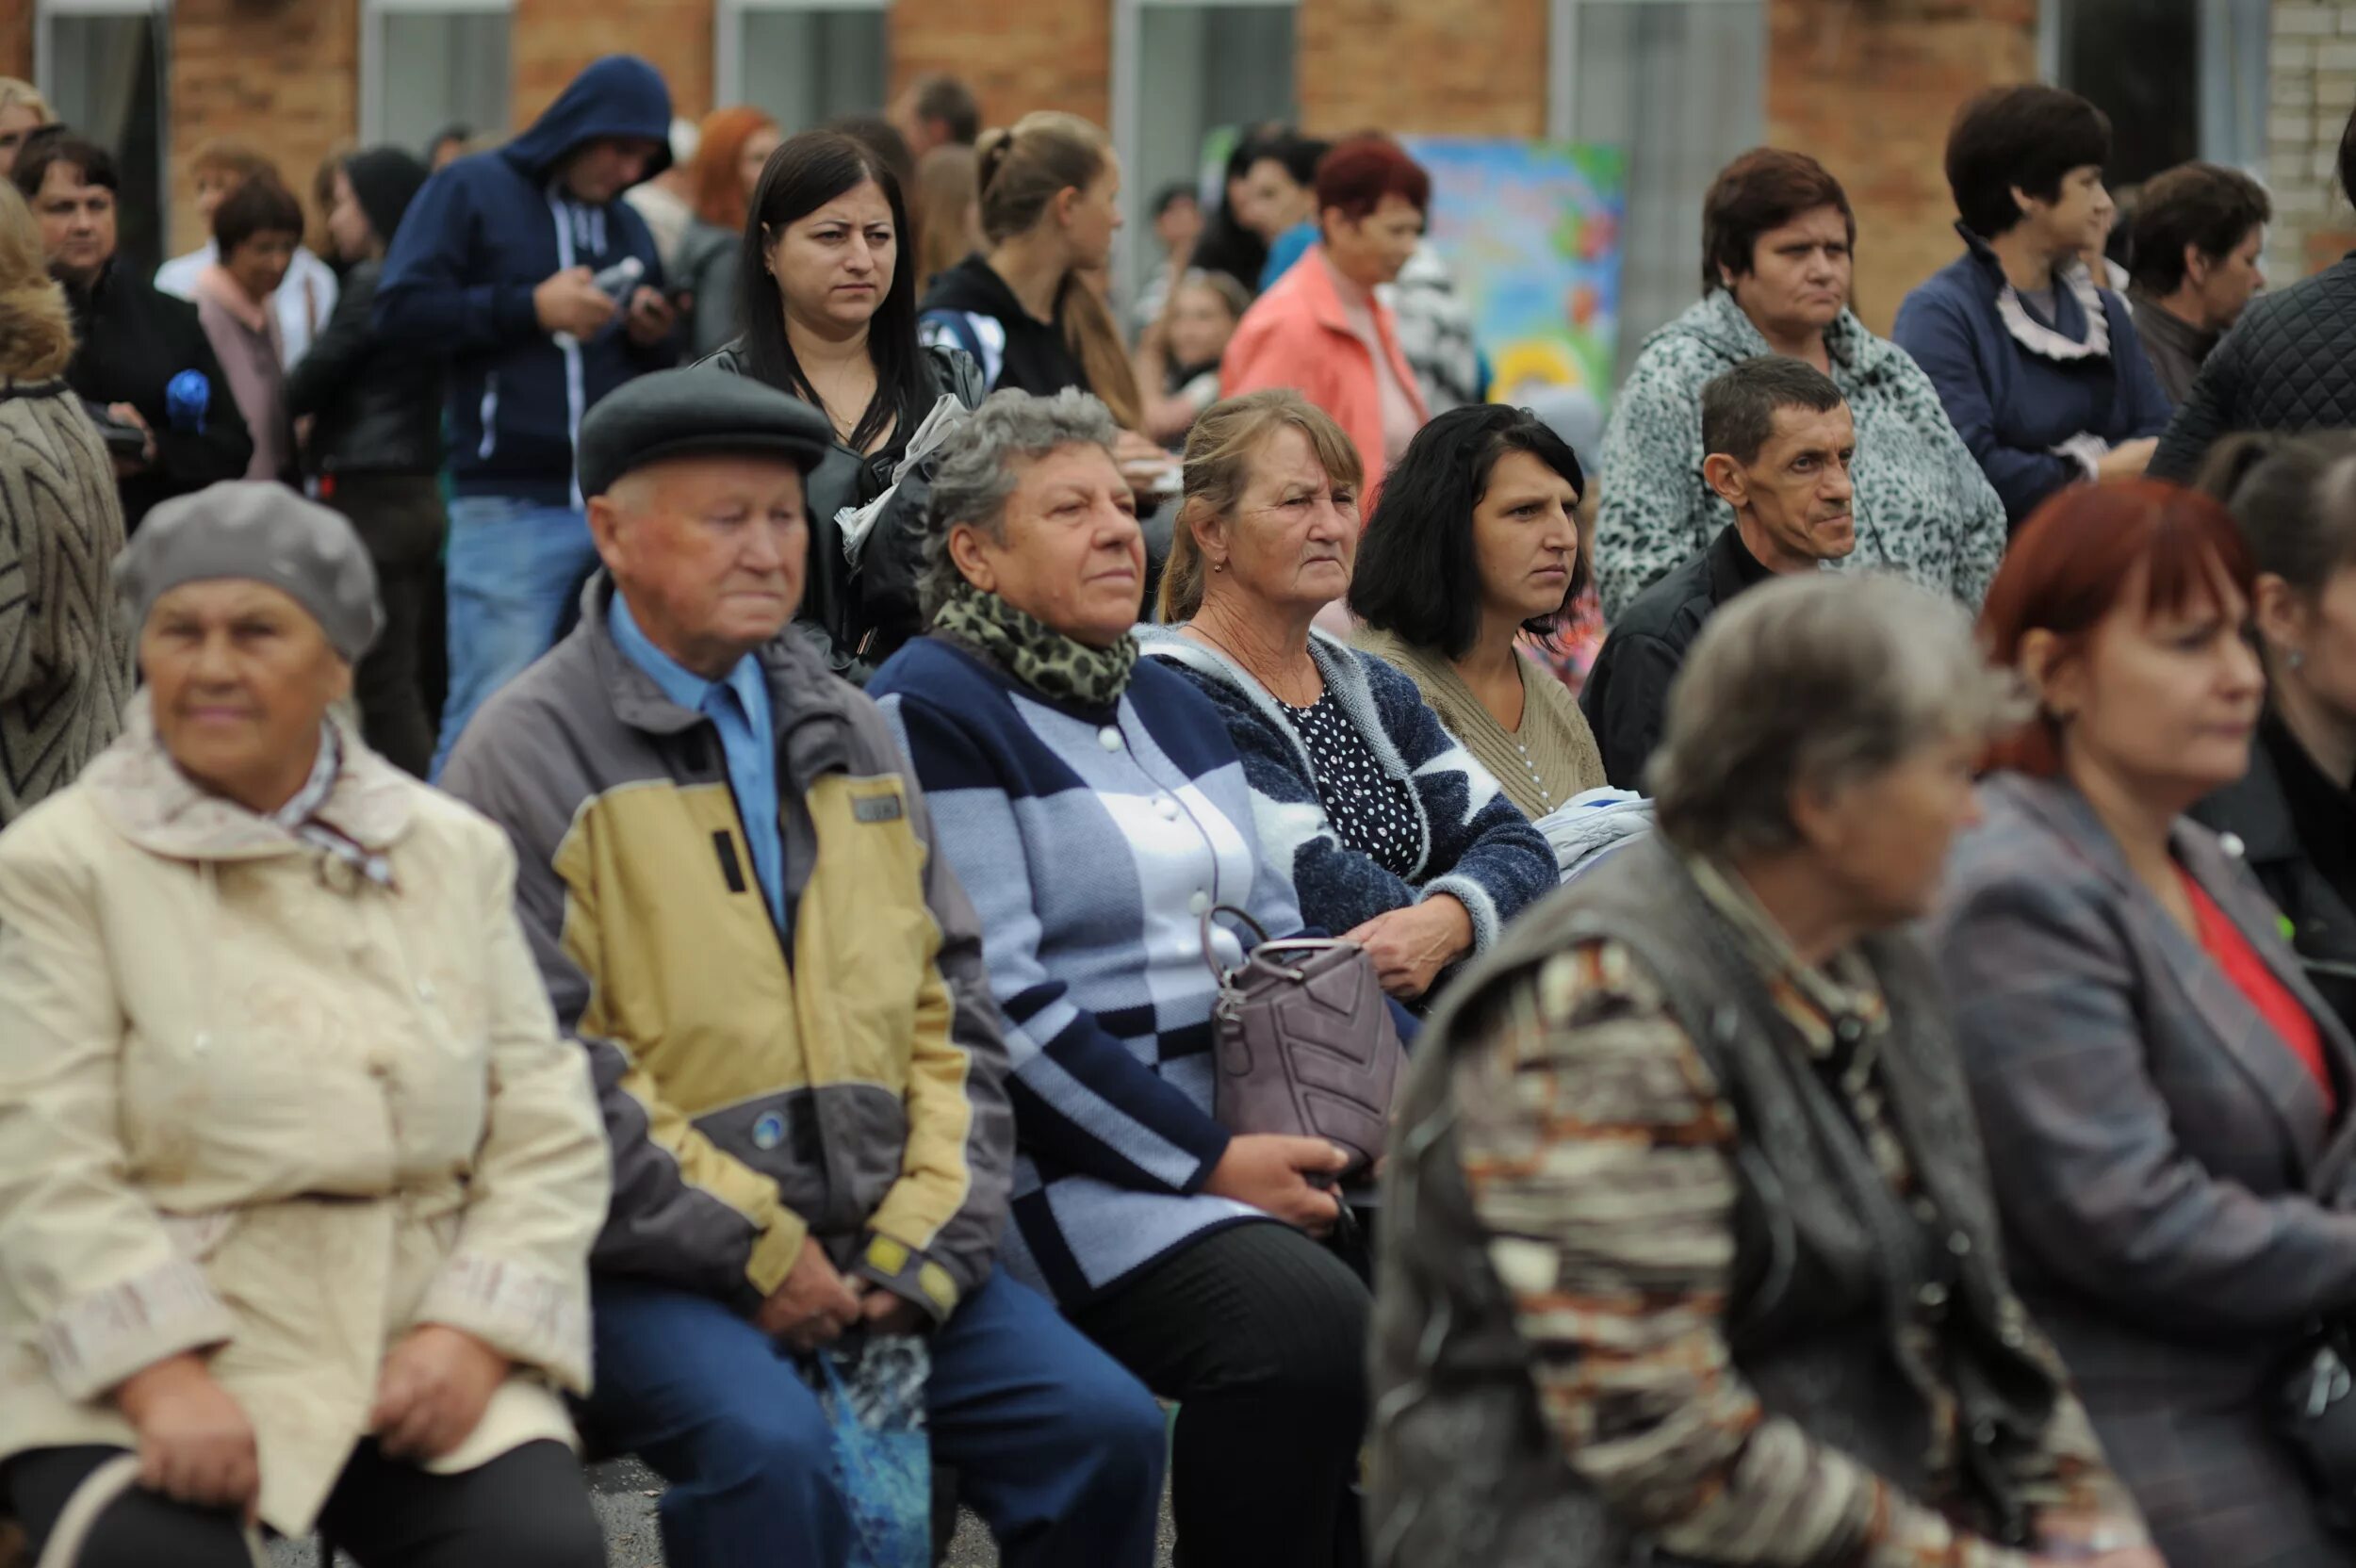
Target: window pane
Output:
[
  {"x": 810, "y": 67},
  {"x": 442, "y": 69},
  {"x": 1680, "y": 87},
  {"x": 1202, "y": 68},
  {"x": 104, "y": 78},
  {"x": 2139, "y": 61}
]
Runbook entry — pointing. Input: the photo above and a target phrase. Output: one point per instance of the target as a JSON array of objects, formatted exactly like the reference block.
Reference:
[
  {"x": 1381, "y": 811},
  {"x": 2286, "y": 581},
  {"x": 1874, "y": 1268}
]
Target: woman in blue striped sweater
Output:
[{"x": 1093, "y": 806}]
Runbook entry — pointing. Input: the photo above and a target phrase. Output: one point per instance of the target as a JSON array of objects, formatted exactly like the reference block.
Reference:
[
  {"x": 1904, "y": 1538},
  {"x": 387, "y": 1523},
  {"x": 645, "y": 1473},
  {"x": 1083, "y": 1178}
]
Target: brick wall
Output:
[
  {"x": 283, "y": 74},
  {"x": 554, "y": 38},
  {"x": 1017, "y": 54},
  {"x": 2313, "y": 77},
  {"x": 16, "y": 39},
  {"x": 1423, "y": 67},
  {"x": 1871, "y": 91}
]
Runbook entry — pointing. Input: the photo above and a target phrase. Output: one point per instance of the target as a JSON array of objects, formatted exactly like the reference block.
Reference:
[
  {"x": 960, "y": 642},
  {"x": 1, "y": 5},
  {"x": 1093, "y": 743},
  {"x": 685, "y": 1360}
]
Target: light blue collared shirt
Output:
[{"x": 739, "y": 709}]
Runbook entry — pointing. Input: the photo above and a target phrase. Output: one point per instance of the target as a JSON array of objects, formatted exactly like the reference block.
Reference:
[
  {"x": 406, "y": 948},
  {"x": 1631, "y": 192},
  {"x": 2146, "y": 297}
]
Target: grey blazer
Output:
[{"x": 2175, "y": 1192}]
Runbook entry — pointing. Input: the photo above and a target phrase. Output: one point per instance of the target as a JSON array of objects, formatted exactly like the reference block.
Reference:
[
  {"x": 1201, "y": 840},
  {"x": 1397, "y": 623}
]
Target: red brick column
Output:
[
  {"x": 1017, "y": 54},
  {"x": 16, "y": 39},
  {"x": 554, "y": 38},
  {"x": 1871, "y": 91},
  {"x": 283, "y": 76},
  {"x": 1423, "y": 67}
]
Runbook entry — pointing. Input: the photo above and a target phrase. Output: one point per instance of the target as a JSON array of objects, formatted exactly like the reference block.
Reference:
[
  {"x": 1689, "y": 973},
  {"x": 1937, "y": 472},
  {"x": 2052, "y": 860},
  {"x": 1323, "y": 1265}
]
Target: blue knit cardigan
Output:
[{"x": 1476, "y": 843}]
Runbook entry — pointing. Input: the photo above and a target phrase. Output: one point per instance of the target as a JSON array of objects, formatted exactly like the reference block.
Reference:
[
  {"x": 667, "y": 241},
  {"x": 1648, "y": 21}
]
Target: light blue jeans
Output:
[{"x": 515, "y": 573}]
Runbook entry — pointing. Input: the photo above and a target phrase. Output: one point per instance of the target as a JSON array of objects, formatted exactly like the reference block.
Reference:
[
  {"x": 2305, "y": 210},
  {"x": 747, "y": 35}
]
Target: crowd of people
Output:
[{"x": 637, "y": 767}]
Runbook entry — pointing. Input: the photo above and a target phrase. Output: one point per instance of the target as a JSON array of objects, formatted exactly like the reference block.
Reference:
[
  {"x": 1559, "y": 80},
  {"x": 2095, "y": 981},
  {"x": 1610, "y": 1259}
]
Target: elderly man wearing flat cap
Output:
[
  {"x": 298, "y": 1180},
  {"x": 731, "y": 881}
]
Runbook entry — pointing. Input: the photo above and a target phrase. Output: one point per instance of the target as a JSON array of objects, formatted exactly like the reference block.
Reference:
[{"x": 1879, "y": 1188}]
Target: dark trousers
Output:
[
  {"x": 1055, "y": 1447},
  {"x": 527, "y": 1508},
  {"x": 401, "y": 520},
  {"x": 1259, "y": 1333}
]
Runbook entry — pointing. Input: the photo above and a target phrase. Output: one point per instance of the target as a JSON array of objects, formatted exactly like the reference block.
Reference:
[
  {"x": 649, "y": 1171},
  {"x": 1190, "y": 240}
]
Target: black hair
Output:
[
  {"x": 1226, "y": 245},
  {"x": 2206, "y": 206},
  {"x": 883, "y": 139},
  {"x": 2294, "y": 499},
  {"x": 951, "y": 102},
  {"x": 1173, "y": 193},
  {"x": 804, "y": 175},
  {"x": 1738, "y": 405},
  {"x": 1299, "y": 154},
  {"x": 459, "y": 134},
  {"x": 1418, "y": 573},
  {"x": 2027, "y": 137},
  {"x": 2348, "y": 157},
  {"x": 34, "y": 158},
  {"x": 260, "y": 206}
]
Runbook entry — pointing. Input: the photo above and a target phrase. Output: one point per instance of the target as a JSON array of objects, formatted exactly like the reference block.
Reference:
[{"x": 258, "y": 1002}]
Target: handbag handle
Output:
[{"x": 1210, "y": 956}]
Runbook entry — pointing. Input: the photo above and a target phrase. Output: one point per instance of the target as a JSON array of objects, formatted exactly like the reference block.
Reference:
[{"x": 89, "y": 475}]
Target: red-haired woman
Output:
[
  {"x": 733, "y": 146},
  {"x": 2164, "y": 1096},
  {"x": 1320, "y": 330}
]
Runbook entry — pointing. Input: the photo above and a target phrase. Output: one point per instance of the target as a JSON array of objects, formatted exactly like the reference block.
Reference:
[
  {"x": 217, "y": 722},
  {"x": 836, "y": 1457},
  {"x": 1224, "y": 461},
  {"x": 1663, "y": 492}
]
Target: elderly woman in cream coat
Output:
[{"x": 297, "y": 1180}]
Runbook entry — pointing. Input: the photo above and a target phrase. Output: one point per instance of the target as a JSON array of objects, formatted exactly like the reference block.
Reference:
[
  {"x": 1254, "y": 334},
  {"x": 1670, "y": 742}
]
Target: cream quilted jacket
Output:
[{"x": 252, "y": 1100}]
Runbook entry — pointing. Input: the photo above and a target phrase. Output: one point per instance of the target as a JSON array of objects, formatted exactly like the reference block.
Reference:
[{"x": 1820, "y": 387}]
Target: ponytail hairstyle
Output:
[
  {"x": 1094, "y": 339},
  {"x": 804, "y": 175},
  {"x": 2294, "y": 499}
]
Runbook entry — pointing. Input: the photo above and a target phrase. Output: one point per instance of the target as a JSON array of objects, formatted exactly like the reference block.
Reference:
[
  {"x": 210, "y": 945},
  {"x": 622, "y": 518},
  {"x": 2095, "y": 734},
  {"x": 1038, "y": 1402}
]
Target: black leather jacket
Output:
[{"x": 377, "y": 404}]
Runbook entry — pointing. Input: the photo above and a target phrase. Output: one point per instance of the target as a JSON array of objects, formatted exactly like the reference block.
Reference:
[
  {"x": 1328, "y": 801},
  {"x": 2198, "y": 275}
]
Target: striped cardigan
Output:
[{"x": 1090, "y": 841}]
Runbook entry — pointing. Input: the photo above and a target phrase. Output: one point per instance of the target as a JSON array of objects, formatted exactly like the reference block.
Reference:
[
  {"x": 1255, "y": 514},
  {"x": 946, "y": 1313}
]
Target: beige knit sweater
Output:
[{"x": 1553, "y": 756}]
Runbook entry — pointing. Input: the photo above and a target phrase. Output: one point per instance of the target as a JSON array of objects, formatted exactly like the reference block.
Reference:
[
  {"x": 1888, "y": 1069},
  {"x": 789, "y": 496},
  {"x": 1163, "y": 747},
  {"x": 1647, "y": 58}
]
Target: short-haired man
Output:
[
  {"x": 2198, "y": 230},
  {"x": 305, "y": 300},
  {"x": 542, "y": 285},
  {"x": 138, "y": 355},
  {"x": 1780, "y": 440},
  {"x": 2288, "y": 364},
  {"x": 937, "y": 111},
  {"x": 733, "y": 885}
]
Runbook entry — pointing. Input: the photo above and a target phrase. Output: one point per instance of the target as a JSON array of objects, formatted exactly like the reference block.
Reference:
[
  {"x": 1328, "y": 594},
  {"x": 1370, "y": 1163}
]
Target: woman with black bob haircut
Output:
[
  {"x": 2038, "y": 366},
  {"x": 829, "y": 303},
  {"x": 1473, "y": 544}
]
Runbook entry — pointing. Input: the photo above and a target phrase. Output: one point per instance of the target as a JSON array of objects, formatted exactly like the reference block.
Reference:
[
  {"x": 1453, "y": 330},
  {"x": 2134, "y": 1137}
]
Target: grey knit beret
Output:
[{"x": 264, "y": 532}]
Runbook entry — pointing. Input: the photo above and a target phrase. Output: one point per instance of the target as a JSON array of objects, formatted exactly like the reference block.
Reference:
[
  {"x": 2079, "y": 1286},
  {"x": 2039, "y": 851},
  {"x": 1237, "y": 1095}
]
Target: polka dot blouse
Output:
[{"x": 1372, "y": 814}]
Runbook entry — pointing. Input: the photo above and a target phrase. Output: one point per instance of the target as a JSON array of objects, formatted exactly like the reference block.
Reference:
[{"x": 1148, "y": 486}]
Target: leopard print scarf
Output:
[{"x": 1035, "y": 653}]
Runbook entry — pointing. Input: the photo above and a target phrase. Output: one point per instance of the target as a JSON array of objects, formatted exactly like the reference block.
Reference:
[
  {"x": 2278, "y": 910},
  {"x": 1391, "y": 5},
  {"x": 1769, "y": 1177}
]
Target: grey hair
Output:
[
  {"x": 974, "y": 472},
  {"x": 1818, "y": 680}
]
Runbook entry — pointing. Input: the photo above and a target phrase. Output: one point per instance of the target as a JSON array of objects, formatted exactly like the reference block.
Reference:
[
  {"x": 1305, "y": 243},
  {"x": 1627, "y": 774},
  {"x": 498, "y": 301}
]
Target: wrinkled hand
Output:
[
  {"x": 812, "y": 1305},
  {"x": 127, "y": 467},
  {"x": 432, "y": 1391},
  {"x": 889, "y": 1314},
  {"x": 196, "y": 1446},
  {"x": 651, "y": 318},
  {"x": 571, "y": 302},
  {"x": 2128, "y": 460},
  {"x": 1410, "y": 946},
  {"x": 1271, "y": 1173}
]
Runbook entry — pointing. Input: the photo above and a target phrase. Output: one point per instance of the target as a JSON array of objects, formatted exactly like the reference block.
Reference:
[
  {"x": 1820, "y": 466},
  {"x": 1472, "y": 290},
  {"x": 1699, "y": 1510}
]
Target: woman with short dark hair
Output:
[
  {"x": 1778, "y": 238},
  {"x": 2038, "y": 366},
  {"x": 258, "y": 227},
  {"x": 1474, "y": 544}
]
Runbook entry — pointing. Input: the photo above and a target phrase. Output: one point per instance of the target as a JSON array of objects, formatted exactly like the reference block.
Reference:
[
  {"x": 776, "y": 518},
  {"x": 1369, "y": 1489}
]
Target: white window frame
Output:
[
  {"x": 372, "y": 16},
  {"x": 1128, "y": 73},
  {"x": 727, "y": 32}
]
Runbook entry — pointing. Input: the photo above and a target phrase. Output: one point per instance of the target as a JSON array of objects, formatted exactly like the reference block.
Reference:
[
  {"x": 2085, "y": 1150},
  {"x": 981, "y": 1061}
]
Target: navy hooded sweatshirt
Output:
[{"x": 479, "y": 239}]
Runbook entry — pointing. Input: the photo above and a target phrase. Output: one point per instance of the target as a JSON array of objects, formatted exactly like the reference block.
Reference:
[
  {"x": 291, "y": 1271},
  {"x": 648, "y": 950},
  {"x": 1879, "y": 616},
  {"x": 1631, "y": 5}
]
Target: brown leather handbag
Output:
[{"x": 1305, "y": 1042}]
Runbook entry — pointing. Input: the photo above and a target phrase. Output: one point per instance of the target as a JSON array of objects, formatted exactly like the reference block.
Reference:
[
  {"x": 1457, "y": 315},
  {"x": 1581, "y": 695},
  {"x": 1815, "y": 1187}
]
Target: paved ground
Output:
[{"x": 623, "y": 1493}]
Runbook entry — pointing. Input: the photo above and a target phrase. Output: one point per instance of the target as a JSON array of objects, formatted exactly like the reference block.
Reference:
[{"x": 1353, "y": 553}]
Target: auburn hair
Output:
[
  {"x": 2074, "y": 561},
  {"x": 720, "y": 199}
]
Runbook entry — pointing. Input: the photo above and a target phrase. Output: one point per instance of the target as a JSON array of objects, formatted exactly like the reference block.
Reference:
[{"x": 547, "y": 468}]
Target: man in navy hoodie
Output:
[{"x": 499, "y": 262}]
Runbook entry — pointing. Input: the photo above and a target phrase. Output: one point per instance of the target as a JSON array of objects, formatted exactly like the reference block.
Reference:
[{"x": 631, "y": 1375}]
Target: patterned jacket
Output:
[
  {"x": 1476, "y": 844},
  {"x": 1924, "y": 507},
  {"x": 1093, "y": 841},
  {"x": 838, "y": 1076}
]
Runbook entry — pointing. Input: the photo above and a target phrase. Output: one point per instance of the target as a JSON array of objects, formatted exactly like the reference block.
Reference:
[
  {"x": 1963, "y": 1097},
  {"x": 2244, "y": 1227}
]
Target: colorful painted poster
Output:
[{"x": 1532, "y": 232}]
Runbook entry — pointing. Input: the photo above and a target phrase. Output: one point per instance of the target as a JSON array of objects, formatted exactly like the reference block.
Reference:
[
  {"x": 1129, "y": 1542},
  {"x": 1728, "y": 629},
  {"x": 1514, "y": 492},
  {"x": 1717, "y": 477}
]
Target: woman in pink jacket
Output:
[{"x": 1320, "y": 329}]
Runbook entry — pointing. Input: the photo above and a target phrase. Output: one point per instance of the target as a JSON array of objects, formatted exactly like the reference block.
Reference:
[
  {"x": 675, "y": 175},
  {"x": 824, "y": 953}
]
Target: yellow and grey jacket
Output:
[{"x": 840, "y": 1076}]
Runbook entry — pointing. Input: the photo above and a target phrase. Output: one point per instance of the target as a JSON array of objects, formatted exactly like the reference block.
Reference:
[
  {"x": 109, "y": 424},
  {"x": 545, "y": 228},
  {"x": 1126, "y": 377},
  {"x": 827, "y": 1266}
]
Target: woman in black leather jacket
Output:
[
  {"x": 828, "y": 301},
  {"x": 375, "y": 448},
  {"x": 2294, "y": 814}
]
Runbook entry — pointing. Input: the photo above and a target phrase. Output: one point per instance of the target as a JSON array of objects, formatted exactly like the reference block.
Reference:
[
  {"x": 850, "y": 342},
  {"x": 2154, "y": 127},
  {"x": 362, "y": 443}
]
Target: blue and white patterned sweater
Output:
[
  {"x": 1476, "y": 843},
  {"x": 1089, "y": 841}
]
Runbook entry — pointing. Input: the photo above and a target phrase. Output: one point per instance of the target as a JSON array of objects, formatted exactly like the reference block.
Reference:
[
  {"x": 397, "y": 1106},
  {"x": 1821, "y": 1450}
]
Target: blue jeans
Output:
[
  {"x": 1059, "y": 1450},
  {"x": 515, "y": 573}
]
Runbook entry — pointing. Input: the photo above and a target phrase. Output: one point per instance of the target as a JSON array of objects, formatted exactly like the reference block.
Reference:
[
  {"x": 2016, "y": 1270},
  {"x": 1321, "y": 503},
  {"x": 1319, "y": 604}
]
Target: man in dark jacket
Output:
[
  {"x": 2289, "y": 365},
  {"x": 544, "y": 287},
  {"x": 2197, "y": 231},
  {"x": 1780, "y": 439},
  {"x": 140, "y": 356},
  {"x": 375, "y": 404}
]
